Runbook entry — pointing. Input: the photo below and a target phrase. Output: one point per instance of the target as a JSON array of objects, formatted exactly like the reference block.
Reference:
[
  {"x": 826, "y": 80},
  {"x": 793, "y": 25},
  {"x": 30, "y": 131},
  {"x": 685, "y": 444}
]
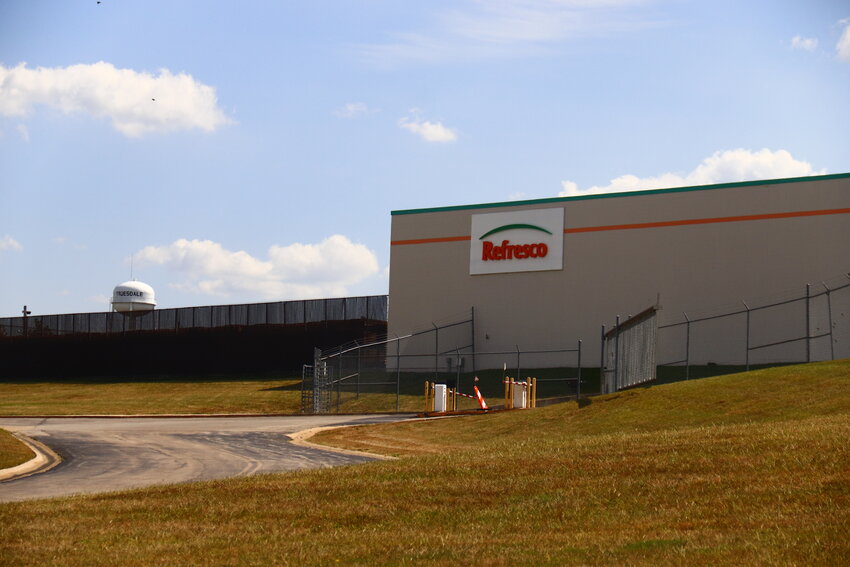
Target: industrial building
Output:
[{"x": 762, "y": 266}]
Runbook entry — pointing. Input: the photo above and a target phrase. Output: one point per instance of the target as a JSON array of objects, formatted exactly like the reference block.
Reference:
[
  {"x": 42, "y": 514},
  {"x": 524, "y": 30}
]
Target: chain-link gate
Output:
[
  {"x": 307, "y": 388},
  {"x": 315, "y": 386},
  {"x": 628, "y": 352}
]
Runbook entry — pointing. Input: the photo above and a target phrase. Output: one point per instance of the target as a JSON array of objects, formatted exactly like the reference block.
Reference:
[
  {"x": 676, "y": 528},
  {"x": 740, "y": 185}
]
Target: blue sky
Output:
[{"x": 246, "y": 152}]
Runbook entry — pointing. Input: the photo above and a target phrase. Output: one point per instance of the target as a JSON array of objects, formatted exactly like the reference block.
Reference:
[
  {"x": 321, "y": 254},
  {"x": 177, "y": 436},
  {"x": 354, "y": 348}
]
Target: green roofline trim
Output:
[{"x": 624, "y": 194}]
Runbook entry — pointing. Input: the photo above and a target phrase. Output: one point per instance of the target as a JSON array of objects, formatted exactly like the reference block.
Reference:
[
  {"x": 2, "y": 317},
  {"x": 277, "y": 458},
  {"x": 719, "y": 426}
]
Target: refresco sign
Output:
[{"x": 517, "y": 241}]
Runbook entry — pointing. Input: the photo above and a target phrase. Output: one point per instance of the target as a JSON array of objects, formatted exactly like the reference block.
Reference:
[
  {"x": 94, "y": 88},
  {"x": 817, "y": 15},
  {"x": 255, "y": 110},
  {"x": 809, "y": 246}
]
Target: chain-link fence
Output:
[
  {"x": 804, "y": 325},
  {"x": 389, "y": 374},
  {"x": 210, "y": 316}
]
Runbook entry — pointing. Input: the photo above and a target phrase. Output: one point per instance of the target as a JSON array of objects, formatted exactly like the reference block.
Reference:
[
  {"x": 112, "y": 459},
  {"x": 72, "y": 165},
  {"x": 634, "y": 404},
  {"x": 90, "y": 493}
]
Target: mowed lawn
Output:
[
  {"x": 154, "y": 396},
  {"x": 12, "y": 451},
  {"x": 748, "y": 469}
]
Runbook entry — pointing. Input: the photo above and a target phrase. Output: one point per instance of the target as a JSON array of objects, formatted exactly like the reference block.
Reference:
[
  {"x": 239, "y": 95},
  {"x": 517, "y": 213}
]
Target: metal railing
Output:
[
  {"x": 628, "y": 351},
  {"x": 388, "y": 374},
  {"x": 803, "y": 326}
]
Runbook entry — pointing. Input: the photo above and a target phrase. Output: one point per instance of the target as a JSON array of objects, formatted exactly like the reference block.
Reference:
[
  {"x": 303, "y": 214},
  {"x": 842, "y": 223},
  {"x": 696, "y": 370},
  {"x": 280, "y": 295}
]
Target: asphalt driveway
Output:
[{"x": 107, "y": 454}]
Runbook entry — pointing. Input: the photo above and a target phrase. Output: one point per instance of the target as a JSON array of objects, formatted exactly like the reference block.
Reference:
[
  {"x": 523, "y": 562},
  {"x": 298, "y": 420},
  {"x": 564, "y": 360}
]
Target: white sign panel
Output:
[{"x": 517, "y": 241}]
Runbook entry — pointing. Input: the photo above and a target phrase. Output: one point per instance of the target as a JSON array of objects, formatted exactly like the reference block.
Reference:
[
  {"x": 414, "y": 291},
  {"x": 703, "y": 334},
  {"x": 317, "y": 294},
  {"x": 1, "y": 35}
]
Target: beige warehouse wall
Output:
[{"x": 693, "y": 267}]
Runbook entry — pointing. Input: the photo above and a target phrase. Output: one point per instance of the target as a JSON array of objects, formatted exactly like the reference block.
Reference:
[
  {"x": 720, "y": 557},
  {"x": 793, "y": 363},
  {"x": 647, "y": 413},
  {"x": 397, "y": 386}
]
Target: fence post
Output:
[
  {"x": 578, "y": 380},
  {"x": 747, "y": 343},
  {"x": 687, "y": 347},
  {"x": 472, "y": 324},
  {"x": 829, "y": 318},
  {"x": 517, "y": 362},
  {"x": 436, "y": 350},
  {"x": 358, "y": 368},
  {"x": 397, "y": 371},
  {"x": 26, "y": 312},
  {"x": 617, "y": 354},
  {"x": 319, "y": 375},
  {"x": 602, "y": 363},
  {"x": 457, "y": 363},
  {"x": 339, "y": 387},
  {"x": 808, "y": 324}
]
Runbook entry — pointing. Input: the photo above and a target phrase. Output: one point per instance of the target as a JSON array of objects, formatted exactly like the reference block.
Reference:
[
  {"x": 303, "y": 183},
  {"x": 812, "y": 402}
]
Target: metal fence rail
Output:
[
  {"x": 373, "y": 307},
  {"x": 374, "y": 376},
  {"x": 803, "y": 326},
  {"x": 376, "y": 367},
  {"x": 628, "y": 352}
]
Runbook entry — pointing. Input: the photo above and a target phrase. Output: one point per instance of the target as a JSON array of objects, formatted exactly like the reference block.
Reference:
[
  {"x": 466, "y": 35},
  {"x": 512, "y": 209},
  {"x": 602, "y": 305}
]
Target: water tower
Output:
[{"x": 132, "y": 299}]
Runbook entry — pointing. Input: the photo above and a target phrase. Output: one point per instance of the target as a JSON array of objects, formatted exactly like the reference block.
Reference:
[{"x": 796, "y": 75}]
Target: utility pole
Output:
[{"x": 26, "y": 322}]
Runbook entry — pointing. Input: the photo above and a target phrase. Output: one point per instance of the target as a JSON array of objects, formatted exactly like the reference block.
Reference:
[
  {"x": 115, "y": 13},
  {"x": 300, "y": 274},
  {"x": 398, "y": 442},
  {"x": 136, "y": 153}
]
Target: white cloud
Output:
[
  {"x": 843, "y": 47},
  {"x": 353, "y": 110},
  {"x": 9, "y": 243},
  {"x": 721, "y": 167},
  {"x": 137, "y": 103},
  {"x": 478, "y": 29},
  {"x": 428, "y": 131},
  {"x": 804, "y": 43},
  {"x": 296, "y": 271},
  {"x": 23, "y": 132}
]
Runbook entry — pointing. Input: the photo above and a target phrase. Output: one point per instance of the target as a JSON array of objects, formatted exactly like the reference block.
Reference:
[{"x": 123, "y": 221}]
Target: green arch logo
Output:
[{"x": 512, "y": 227}]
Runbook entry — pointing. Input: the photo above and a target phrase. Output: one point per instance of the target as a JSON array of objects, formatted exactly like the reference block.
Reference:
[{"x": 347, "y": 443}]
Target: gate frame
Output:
[{"x": 615, "y": 364}]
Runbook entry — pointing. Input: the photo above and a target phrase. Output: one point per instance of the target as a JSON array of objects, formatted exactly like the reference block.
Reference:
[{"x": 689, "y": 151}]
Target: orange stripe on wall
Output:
[
  {"x": 685, "y": 222},
  {"x": 707, "y": 221},
  {"x": 430, "y": 240}
]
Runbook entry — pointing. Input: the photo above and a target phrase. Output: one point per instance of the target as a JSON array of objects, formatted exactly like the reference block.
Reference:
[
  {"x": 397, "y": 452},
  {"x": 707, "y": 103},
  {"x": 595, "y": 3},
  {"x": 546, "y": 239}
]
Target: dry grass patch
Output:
[
  {"x": 660, "y": 476},
  {"x": 771, "y": 493},
  {"x": 12, "y": 451},
  {"x": 772, "y": 394},
  {"x": 150, "y": 397}
]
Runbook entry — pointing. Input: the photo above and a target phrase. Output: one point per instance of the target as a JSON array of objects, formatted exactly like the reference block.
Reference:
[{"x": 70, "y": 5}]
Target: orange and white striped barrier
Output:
[{"x": 451, "y": 397}]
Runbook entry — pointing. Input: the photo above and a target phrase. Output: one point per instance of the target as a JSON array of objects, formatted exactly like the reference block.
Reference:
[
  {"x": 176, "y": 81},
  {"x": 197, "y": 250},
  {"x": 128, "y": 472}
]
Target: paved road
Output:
[{"x": 106, "y": 454}]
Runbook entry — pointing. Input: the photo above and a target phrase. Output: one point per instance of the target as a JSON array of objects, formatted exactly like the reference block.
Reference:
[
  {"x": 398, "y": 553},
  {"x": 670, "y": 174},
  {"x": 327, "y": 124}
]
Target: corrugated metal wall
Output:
[{"x": 373, "y": 307}]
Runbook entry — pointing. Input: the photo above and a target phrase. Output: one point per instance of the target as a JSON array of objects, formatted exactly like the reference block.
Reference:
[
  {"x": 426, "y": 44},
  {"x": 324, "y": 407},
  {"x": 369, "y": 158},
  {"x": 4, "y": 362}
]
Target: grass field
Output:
[
  {"x": 194, "y": 396},
  {"x": 735, "y": 470},
  {"x": 155, "y": 396},
  {"x": 12, "y": 451}
]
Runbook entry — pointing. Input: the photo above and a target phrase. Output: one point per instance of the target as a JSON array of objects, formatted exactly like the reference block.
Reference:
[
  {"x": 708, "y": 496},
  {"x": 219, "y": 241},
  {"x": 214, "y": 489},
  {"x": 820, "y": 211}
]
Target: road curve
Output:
[{"x": 107, "y": 454}]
